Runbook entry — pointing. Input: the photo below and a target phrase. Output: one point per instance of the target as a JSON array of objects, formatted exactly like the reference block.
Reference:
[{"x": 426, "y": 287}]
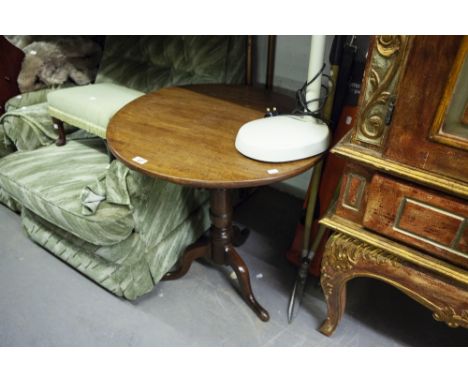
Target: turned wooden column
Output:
[
  {"x": 222, "y": 247},
  {"x": 221, "y": 228}
]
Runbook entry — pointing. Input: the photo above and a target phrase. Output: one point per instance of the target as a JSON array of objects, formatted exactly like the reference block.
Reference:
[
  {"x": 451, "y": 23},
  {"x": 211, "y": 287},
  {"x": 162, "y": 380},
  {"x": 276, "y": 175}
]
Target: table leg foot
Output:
[
  {"x": 193, "y": 252},
  {"x": 239, "y": 235},
  {"x": 242, "y": 272}
]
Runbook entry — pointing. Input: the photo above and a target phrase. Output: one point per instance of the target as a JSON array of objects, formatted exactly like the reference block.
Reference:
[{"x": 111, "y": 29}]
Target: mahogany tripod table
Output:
[{"x": 186, "y": 135}]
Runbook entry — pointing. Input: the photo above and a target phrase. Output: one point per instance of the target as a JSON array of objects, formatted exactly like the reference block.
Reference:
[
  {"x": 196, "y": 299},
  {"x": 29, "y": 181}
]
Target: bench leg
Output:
[{"x": 58, "y": 124}]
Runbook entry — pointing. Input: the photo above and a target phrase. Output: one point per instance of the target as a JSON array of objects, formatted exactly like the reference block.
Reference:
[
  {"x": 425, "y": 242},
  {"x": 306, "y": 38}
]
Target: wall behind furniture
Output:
[{"x": 291, "y": 64}]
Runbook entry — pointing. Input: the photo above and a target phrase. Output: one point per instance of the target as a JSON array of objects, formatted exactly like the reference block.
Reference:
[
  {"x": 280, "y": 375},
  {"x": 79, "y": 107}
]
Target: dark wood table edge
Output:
[{"x": 219, "y": 184}]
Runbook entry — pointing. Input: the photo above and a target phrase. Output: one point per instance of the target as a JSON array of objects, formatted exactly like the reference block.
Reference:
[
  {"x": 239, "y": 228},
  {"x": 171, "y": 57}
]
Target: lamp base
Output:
[{"x": 283, "y": 138}]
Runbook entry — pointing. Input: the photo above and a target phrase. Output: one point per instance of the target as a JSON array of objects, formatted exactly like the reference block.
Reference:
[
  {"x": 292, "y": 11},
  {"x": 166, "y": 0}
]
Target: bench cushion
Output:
[
  {"x": 90, "y": 107},
  {"x": 49, "y": 182}
]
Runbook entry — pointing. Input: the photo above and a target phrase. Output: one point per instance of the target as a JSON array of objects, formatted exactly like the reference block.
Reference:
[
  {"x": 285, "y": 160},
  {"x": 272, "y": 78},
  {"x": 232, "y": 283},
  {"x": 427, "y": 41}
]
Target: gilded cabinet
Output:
[{"x": 402, "y": 212}]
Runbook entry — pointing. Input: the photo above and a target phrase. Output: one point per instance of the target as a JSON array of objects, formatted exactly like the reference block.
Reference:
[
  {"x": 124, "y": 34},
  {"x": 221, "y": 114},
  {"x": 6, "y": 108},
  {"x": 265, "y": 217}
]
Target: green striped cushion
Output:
[{"x": 49, "y": 181}]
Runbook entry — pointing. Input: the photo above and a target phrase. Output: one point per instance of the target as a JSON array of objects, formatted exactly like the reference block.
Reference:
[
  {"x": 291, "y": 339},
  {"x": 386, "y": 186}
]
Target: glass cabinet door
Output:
[{"x": 451, "y": 123}]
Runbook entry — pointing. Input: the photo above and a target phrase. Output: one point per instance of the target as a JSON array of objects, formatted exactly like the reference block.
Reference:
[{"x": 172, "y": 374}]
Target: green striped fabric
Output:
[
  {"x": 163, "y": 218},
  {"x": 49, "y": 181},
  {"x": 6, "y": 146},
  {"x": 27, "y": 99},
  {"x": 129, "y": 240},
  {"x": 26, "y": 125},
  {"x": 160, "y": 206},
  {"x": 144, "y": 63},
  {"x": 149, "y": 63},
  {"x": 150, "y": 199},
  {"x": 130, "y": 268},
  {"x": 8, "y": 201},
  {"x": 29, "y": 127}
]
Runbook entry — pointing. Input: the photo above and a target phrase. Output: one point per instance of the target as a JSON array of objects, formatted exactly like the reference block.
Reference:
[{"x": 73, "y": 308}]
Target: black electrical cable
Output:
[{"x": 302, "y": 105}]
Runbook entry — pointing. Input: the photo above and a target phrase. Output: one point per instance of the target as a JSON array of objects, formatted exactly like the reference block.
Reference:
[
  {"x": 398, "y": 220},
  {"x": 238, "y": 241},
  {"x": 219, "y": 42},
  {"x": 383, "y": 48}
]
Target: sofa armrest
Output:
[
  {"x": 31, "y": 98},
  {"x": 27, "y": 125},
  {"x": 27, "y": 128},
  {"x": 26, "y": 99}
]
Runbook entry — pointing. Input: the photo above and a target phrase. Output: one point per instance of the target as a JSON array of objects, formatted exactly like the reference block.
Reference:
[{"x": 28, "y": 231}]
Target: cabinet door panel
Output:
[{"x": 420, "y": 94}]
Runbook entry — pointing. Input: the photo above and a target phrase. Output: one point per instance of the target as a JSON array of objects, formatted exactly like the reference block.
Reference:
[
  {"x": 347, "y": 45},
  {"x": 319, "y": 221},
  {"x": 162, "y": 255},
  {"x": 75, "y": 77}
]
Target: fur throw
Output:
[{"x": 55, "y": 60}]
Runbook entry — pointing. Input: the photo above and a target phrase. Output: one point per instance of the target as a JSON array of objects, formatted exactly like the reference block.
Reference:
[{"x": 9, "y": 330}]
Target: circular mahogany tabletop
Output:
[{"x": 186, "y": 135}]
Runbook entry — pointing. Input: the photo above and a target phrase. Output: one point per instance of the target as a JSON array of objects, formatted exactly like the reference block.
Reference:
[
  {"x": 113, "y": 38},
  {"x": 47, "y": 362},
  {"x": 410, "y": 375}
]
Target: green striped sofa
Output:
[{"x": 120, "y": 228}]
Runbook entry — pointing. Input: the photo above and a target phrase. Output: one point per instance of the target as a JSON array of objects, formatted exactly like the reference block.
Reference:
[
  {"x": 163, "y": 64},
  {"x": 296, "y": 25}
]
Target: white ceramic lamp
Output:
[{"x": 286, "y": 138}]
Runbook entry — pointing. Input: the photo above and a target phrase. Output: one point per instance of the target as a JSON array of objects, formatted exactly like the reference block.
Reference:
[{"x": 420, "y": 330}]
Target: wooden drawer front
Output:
[
  {"x": 419, "y": 217},
  {"x": 353, "y": 194}
]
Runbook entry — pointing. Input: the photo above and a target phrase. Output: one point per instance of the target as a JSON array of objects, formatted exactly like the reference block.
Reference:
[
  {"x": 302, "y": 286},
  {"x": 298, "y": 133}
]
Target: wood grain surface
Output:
[
  {"x": 420, "y": 217},
  {"x": 187, "y": 136},
  {"x": 421, "y": 91}
]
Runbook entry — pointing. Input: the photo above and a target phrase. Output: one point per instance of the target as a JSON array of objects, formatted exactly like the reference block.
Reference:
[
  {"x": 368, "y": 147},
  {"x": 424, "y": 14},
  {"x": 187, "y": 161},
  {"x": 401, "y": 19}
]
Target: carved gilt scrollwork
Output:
[
  {"x": 451, "y": 317},
  {"x": 346, "y": 253},
  {"x": 346, "y": 257},
  {"x": 387, "y": 61}
]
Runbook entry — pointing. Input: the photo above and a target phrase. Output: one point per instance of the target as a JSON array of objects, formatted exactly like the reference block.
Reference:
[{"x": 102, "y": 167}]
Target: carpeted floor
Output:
[{"x": 44, "y": 302}]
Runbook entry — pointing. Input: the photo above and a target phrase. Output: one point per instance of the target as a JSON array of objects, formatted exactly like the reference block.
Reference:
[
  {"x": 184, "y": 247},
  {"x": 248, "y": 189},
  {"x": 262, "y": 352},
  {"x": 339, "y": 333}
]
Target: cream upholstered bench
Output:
[{"x": 88, "y": 107}]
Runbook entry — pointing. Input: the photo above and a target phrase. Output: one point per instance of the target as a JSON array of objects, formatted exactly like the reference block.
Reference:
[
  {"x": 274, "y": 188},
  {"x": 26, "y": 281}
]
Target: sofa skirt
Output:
[{"x": 128, "y": 269}]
